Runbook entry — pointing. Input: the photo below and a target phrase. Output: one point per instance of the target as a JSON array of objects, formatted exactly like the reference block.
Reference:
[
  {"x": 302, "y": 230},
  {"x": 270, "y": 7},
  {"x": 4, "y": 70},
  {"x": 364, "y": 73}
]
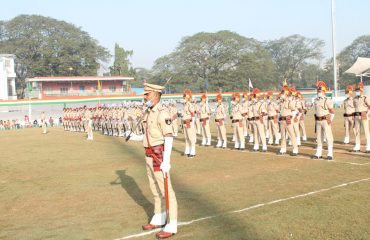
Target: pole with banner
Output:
[{"x": 29, "y": 90}]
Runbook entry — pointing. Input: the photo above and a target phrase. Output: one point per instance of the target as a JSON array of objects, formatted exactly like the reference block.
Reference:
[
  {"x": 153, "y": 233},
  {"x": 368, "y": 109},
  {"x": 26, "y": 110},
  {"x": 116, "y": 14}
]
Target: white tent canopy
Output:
[{"x": 361, "y": 67}]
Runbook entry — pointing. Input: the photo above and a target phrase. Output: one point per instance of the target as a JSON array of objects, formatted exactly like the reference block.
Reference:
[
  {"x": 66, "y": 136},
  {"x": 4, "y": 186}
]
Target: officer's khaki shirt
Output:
[
  {"x": 362, "y": 103},
  {"x": 204, "y": 110},
  {"x": 237, "y": 111},
  {"x": 250, "y": 109},
  {"x": 286, "y": 107},
  {"x": 322, "y": 106},
  {"x": 220, "y": 111},
  {"x": 157, "y": 124},
  {"x": 245, "y": 106},
  {"x": 188, "y": 111},
  {"x": 349, "y": 106},
  {"x": 272, "y": 109}
]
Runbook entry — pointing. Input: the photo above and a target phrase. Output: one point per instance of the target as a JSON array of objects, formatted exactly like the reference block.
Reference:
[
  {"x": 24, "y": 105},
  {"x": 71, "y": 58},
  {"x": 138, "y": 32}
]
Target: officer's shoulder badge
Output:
[{"x": 168, "y": 121}]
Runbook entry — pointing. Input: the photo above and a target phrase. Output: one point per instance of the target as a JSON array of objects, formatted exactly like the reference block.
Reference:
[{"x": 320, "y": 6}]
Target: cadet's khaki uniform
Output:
[
  {"x": 221, "y": 129},
  {"x": 245, "y": 106},
  {"x": 175, "y": 124},
  {"x": 259, "y": 110},
  {"x": 197, "y": 118},
  {"x": 189, "y": 127},
  {"x": 323, "y": 106},
  {"x": 302, "y": 125},
  {"x": 295, "y": 122},
  {"x": 251, "y": 125},
  {"x": 157, "y": 124},
  {"x": 349, "y": 117},
  {"x": 88, "y": 120},
  {"x": 286, "y": 126},
  {"x": 205, "y": 112},
  {"x": 238, "y": 126},
  {"x": 362, "y": 105},
  {"x": 43, "y": 122},
  {"x": 273, "y": 127}
]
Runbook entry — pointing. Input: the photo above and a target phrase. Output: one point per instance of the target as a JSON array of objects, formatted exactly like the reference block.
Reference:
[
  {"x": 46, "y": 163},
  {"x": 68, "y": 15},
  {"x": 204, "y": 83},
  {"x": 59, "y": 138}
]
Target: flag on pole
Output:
[
  {"x": 284, "y": 82},
  {"x": 250, "y": 84}
]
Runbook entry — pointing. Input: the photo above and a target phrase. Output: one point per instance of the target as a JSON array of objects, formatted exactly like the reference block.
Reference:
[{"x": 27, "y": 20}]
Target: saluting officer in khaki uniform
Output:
[
  {"x": 324, "y": 115},
  {"x": 189, "y": 125},
  {"x": 220, "y": 122},
  {"x": 287, "y": 113},
  {"x": 238, "y": 122},
  {"x": 362, "y": 107},
  {"x": 205, "y": 113},
  {"x": 158, "y": 142},
  {"x": 349, "y": 113},
  {"x": 272, "y": 117}
]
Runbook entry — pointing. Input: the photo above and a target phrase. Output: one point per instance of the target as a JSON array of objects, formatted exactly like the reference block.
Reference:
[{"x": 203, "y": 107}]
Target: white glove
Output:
[
  {"x": 332, "y": 117},
  {"x": 368, "y": 112},
  {"x": 166, "y": 166}
]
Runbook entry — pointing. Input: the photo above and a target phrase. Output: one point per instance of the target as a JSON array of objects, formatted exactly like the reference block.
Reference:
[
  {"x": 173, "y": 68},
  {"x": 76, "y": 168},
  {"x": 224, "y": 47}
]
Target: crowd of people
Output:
[{"x": 26, "y": 123}]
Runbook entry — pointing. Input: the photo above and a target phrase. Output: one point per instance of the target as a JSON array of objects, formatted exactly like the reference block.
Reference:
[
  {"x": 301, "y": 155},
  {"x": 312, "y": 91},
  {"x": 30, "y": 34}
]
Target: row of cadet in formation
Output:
[{"x": 255, "y": 117}]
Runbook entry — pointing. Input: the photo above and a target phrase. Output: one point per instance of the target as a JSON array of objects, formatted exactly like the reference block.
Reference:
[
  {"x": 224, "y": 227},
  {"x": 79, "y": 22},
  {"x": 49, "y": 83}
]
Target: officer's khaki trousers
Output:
[
  {"x": 348, "y": 125},
  {"x": 156, "y": 184},
  {"x": 287, "y": 129},
  {"x": 245, "y": 126},
  {"x": 322, "y": 127},
  {"x": 365, "y": 125},
  {"x": 190, "y": 136},
  {"x": 175, "y": 126},
  {"x": 197, "y": 125},
  {"x": 221, "y": 131},
  {"x": 206, "y": 131},
  {"x": 302, "y": 126},
  {"x": 273, "y": 129},
  {"x": 260, "y": 127},
  {"x": 43, "y": 126},
  {"x": 238, "y": 130}
]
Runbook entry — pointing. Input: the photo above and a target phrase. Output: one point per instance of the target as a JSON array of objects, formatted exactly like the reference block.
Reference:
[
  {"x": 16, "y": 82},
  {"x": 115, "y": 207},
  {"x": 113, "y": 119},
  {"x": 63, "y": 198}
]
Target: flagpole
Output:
[
  {"x": 333, "y": 45},
  {"x": 29, "y": 104}
]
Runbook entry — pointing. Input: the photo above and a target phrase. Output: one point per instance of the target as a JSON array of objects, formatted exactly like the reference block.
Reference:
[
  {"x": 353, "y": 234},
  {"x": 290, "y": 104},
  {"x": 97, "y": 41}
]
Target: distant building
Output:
[
  {"x": 79, "y": 86},
  {"x": 7, "y": 77}
]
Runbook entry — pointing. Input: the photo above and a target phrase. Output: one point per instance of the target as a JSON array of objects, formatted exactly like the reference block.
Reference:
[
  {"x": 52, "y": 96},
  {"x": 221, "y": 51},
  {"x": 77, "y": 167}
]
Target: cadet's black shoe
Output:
[
  {"x": 294, "y": 154},
  {"x": 281, "y": 153},
  {"x": 355, "y": 151},
  {"x": 316, "y": 157},
  {"x": 330, "y": 158},
  {"x": 367, "y": 151},
  {"x": 263, "y": 150},
  {"x": 191, "y": 156}
]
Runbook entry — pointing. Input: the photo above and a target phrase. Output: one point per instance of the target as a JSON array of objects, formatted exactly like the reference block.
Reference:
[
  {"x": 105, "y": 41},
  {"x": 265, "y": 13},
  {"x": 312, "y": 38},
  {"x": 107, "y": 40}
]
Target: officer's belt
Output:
[
  {"x": 284, "y": 118},
  {"x": 218, "y": 120},
  {"x": 359, "y": 113},
  {"x": 236, "y": 120},
  {"x": 272, "y": 117},
  {"x": 348, "y": 115},
  {"x": 320, "y": 118},
  {"x": 187, "y": 121},
  {"x": 204, "y": 119}
]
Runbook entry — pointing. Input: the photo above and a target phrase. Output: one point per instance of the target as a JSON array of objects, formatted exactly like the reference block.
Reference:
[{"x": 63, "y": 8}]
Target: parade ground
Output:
[{"x": 61, "y": 186}]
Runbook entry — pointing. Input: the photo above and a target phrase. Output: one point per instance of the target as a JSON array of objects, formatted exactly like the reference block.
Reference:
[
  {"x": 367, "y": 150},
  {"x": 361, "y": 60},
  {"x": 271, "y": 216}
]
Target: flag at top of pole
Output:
[{"x": 250, "y": 84}]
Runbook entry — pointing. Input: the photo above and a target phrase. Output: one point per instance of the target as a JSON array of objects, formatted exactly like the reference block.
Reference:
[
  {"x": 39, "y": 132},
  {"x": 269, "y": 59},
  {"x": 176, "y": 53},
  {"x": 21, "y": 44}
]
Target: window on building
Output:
[
  {"x": 63, "y": 91},
  {"x": 48, "y": 91},
  {"x": 82, "y": 88},
  {"x": 112, "y": 88}
]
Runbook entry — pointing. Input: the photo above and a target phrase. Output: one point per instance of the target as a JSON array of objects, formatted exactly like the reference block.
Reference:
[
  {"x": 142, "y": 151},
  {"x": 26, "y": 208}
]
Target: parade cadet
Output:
[
  {"x": 285, "y": 119},
  {"x": 245, "y": 105},
  {"x": 220, "y": 122},
  {"x": 173, "y": 113},
  {"x": 259, "y": 111},
  {"x": 362, "y": 107},
  {"x": 205, "y": 112},
  {"x": 272, "y": 117},
  {"x": 157, "y": 142},
  {"x": 302, "y": 125},
  {"x": 189, "y": 125},
  {"x": 43, "y": 122},
  {"x": 298, "y": 110},
  {"x": 251, "y": 117},
  {"x": 89, "y": 124},
  {"x": 197, "y": 117},
  {"x": 349, "y": 113},
  {"x": 324, "y": 115},
  {"x": 238, "y": 122}
]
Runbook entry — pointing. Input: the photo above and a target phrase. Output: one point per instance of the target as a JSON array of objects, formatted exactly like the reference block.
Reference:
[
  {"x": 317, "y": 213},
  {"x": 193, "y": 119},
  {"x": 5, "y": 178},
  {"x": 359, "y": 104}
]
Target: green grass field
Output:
[{"x": 60, "y": 186}]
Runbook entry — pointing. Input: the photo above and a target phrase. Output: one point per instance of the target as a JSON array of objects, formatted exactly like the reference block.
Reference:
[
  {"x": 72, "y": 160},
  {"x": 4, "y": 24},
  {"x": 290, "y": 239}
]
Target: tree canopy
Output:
[{"x": 45, "y": 46}]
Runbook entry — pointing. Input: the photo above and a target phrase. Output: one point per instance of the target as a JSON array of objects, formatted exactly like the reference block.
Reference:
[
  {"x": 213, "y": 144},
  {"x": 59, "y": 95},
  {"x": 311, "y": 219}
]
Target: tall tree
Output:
[
  {"x": 289, "y": 53},
  {"x": 45, "y": 46},
  {"x": 122, "y": 64}
]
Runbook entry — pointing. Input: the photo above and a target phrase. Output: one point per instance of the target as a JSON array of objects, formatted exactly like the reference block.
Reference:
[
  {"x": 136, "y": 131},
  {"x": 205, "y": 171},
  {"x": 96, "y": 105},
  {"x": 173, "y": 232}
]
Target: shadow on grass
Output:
[
  {"x": 133, "y": 190},
  {"x": 186, "y": 198}
]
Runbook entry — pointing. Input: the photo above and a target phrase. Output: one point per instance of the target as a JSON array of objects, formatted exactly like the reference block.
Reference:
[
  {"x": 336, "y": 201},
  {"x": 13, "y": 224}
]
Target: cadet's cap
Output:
[
  {"x": 204, "y": 96},
  {"x": 349, "y": 89},
  {"x": 219, "y": 96},
  {"x": 360, "y": 86},
  {"x": 321, "y": 86},
  {"x": 148, "y": 87}
]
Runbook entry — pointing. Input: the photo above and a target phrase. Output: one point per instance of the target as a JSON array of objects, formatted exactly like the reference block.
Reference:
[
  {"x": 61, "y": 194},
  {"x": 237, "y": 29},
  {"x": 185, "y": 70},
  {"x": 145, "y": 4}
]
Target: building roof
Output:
[{"x": 77, "y": 78}]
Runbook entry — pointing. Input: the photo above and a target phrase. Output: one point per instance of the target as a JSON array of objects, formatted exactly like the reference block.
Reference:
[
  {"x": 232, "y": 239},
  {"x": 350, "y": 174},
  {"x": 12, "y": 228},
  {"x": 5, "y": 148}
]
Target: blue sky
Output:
[{"x": 154, "y": 28}]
